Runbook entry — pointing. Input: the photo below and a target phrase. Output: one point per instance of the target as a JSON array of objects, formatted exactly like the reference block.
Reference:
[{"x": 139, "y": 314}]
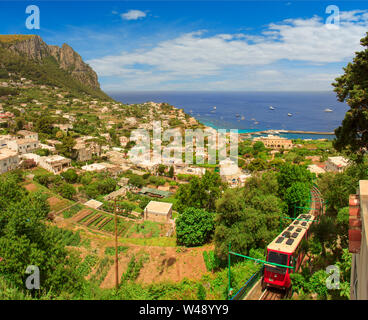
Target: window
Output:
[{"x": 279, "y": 258}]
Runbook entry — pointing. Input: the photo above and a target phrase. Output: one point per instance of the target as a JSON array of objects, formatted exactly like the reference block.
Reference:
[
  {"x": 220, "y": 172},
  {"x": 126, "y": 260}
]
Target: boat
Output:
[
  {"x": 243, "y": 118},
  {"x": 214, "y": 108},
  {"x": 290, "y": 114},
  {"x": 272, "y": 108},
  {"x": 256, "y": 122},
  {"x": 328, "y": 110},
  {"x": 237, "y": 115}
]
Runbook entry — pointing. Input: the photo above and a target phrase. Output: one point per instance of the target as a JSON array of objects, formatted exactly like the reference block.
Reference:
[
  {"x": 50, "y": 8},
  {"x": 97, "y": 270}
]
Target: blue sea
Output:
[{"x": 250, "y": 111}]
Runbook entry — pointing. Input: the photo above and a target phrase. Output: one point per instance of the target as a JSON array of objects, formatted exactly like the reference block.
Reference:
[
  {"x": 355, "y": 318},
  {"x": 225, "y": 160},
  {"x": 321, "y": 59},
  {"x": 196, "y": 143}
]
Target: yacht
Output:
[
  {"x": 243, "y": 118},
  {"x": 272, "y": 108},
  {"x": 290, "y": 114},
  {"x": 328, "y": 110}
]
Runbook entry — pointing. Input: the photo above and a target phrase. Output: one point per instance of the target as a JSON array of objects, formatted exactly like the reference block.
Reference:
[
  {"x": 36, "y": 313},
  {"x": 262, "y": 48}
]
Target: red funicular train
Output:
[{"x": 285, "y": 250}]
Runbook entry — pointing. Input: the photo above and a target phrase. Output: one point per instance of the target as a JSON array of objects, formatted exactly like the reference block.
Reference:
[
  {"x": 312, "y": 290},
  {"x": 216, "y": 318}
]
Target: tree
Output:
[
  {"x": 171, "y": 172},
  {"x": 70, "y": 176},
  {"x": 248, "y": 222},
  {"x": 200, "y": 192},
  {"x": 137, "y": 181},
  {"x": 26, "y": 240},
  {"x": 66, "y": 147},
  {"x": 194, "y": 227},
  {"x": 336, "y": 189},
  {"x": 258, "y": 147},
  {"x": 297, "y": 195},
  {"x": 324, "y": 232},
  {"x": 352, "y": 87},
  {"x": 292, "y": 173},
  {"x": 67, "y": 191},
  {"x": 257, "y": 165},
  {"x": 44, "y": 125},
  {"x": 161, "y": 169}
]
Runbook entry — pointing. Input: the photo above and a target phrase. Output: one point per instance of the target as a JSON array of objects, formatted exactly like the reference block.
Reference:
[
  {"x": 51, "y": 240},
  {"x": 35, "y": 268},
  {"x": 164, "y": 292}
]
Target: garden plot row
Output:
[{"x": 97, "y": 220}]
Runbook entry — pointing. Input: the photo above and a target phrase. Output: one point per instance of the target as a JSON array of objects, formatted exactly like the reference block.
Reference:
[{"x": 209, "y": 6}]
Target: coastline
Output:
[{"x": 283, "y": 133}]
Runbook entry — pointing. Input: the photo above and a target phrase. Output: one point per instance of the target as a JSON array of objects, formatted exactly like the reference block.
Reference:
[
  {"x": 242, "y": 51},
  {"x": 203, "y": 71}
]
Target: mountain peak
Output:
[{"x": 34, "y": 48}]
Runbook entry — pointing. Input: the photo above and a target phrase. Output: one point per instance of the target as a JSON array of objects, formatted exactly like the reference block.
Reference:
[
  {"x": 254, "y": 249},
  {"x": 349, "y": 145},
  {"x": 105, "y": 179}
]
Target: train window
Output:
[
  {"x": 299, "y": 229},
  {"x": 286, "y": 234},
  {"x": 290, "y": 228},
  {"x": 295, "y": 234},
  {"x": 280, "y": 239},
  {"x": 296, "y": 222},
  {"x": 279, "y": 258},
  {"x": 304, "y": 224}
]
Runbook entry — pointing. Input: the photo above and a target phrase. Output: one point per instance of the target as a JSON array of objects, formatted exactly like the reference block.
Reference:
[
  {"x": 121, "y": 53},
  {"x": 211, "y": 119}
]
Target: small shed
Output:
[
  {"x": 158, "y": 211},
  {"x": 94, "y": 204}
]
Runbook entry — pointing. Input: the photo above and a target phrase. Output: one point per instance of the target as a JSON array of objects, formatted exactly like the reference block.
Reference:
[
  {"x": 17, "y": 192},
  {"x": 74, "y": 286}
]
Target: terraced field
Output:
[{"x": 100, "y": 221}]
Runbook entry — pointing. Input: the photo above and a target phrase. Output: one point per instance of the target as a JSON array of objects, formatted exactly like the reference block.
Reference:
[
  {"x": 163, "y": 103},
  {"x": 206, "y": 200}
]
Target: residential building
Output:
[
  {"x": 315, "y": 169},
  {"x": 25, "y": 134},
  {"x": 336, "y": 164},
  {"x": 275, "y": 142},
  {"x": 158, "y": 211},
  {"x": 63, "y": 127},
  {"x": 115, "y": 194},
  {"x": 358, "y": 242},
  {"x": 84, "y": 149},
  {"x": 55, "y": 163},
  {"x": 23, "y": 145},
  {"x": 9, "y": 160},
  {"x": 232, "y": 174}
]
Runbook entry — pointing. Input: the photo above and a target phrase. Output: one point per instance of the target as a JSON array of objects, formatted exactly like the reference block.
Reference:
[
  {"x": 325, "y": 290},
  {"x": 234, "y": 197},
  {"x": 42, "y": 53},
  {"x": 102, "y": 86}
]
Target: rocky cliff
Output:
[{"x": 36, "y": 49}]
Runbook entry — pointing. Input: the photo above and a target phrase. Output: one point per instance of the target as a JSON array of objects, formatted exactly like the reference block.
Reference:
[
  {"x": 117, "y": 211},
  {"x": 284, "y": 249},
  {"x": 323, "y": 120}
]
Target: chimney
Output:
[{"x": 355, "y": 224}]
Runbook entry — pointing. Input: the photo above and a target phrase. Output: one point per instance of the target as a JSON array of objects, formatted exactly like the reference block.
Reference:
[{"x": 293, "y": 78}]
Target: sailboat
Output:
[
  {"x": 328, "y": 110},
  {"x": 272, "y": 108},
  {"x": 290, "y": 114}
]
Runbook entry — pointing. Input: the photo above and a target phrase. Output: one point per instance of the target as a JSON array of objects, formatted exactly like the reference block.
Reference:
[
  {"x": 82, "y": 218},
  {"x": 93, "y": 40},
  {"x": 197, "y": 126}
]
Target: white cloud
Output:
[
  {"x": 233, "y": 58},
  {"x": 133, "y": 15}
]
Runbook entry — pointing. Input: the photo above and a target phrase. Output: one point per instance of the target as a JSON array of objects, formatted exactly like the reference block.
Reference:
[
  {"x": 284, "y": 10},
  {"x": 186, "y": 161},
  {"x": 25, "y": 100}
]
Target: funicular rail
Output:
[{"x": 317, "y": 209}]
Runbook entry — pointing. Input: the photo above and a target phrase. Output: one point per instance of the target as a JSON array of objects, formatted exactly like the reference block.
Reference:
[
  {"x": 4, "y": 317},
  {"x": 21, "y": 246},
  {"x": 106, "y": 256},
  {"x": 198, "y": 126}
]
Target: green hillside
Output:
[{"x": 45, "y": 72}]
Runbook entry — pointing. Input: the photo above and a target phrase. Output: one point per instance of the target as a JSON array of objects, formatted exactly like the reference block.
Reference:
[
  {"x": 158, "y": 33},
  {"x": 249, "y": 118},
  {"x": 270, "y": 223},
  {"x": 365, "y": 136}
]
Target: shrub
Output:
[{"x": 194, "y": 227}]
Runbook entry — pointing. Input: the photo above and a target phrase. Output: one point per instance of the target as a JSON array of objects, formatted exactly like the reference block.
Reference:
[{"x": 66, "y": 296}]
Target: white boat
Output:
[
  {"x": 214, "y": 108},
  {"x": 272, "y": 108},
  {"x": 243, "y": 118},
  {"x": 328, "y": 110},
  {"x": 290, "y": 114}
]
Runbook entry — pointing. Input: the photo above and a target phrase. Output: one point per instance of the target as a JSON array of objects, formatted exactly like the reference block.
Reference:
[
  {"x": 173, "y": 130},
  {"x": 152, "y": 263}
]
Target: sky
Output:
[{"x": 202, "y": 45}]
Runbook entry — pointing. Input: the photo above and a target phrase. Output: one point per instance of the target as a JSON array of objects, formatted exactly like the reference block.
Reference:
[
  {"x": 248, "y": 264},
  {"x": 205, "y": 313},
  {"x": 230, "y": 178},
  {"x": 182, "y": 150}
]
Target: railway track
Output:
[
  {"x": 272, "y": 294},
  {"x": 316, "y": 209}
]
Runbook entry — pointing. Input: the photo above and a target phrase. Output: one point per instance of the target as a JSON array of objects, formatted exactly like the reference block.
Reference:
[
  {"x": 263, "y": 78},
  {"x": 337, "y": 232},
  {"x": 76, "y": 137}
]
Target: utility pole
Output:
[{"x": 116, "y": 248}]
